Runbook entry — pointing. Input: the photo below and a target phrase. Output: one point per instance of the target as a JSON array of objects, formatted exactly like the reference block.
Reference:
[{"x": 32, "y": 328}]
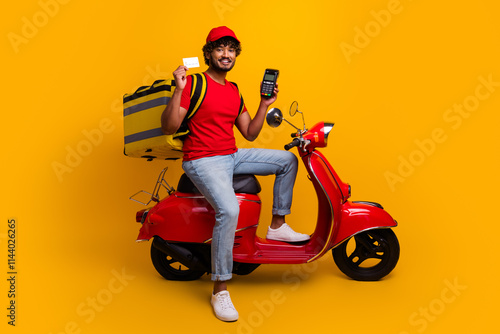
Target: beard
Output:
[{"x": 216, "y": 65}]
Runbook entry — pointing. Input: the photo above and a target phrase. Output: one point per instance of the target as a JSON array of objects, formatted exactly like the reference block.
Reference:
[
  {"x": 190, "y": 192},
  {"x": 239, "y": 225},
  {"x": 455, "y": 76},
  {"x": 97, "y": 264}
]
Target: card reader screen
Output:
[{"x": 269, "y": 77}]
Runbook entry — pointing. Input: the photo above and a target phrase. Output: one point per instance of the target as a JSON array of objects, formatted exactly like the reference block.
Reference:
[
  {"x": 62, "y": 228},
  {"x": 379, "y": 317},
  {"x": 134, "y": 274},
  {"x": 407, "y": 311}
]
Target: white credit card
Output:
[{"x": 191, "y": 62}]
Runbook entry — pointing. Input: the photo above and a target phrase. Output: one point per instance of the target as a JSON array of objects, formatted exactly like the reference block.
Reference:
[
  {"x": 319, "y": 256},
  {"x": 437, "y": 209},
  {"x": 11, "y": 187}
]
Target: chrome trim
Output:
[
  {"x": 138, "y": 201},
  {"x": 326, "y": 129},
  {"x": 239, "y": 230},
  {"x": 160, "y": 182},
  {"x": 374, "y": 204},
  {"x": 336, "y": 182},
  {"x": 331, "y": 210},
  {"x": 142, "y": 240},
  {"x": 201, "y": 196},
  {"x": 189, "y": 196},
  {"x": 250, "y": 200},
  {"x": 144, "y": 216}
]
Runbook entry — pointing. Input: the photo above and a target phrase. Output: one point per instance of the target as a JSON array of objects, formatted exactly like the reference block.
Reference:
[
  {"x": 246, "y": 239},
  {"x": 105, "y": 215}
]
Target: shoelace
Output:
[
  {"x": 225, "y": 301},
  {"x": 289, "y": 229}
]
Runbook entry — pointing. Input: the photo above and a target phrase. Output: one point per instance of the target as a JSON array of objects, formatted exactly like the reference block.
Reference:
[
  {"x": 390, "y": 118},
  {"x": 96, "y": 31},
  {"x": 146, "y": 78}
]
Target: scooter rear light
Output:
[{"x": 140, "y": 216}]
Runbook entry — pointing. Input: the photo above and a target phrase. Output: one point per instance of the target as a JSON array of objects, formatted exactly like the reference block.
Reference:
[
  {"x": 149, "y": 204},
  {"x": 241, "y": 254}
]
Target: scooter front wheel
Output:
[
  {"x": 171, "y": 269},
  {"x": 369, "y": 255}
]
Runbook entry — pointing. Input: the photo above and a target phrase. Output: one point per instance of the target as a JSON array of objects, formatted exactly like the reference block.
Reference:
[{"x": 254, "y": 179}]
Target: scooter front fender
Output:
[{"x": 357, "y": 217}]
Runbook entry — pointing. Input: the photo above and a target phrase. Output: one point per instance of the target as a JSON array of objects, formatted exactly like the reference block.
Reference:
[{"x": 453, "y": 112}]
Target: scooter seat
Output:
[{"x": 243, "y": 183}]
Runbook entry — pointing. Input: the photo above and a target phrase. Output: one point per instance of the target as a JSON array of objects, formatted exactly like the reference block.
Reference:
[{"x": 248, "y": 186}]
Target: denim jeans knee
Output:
[
  {"x": 283, "y": 164},
  {"x": 213, "y": 177}
]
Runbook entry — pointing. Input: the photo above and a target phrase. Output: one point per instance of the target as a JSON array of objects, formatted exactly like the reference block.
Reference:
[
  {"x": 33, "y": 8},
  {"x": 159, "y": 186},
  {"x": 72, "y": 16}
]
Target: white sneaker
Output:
[
  {"x": 223, "y": 307},
  {"x": 285, "y": 233}
]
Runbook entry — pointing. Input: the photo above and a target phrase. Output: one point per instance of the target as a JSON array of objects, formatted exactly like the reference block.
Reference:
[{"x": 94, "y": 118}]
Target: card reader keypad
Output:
[{"x": 267, "y": 88}]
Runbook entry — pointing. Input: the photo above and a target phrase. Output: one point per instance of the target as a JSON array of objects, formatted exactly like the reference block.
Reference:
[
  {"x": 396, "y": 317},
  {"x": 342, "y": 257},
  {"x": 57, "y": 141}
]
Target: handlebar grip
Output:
[{"x": 295, "y": 142}]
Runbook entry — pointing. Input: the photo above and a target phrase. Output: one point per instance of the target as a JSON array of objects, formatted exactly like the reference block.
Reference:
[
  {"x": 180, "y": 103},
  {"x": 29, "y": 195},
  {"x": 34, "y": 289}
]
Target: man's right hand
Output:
[
  {"x": 173, "y": 114},
  {"x": 180, "y": 77}
]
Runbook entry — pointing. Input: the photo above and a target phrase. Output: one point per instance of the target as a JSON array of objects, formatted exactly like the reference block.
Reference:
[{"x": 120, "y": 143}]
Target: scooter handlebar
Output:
[{"x": 295, "y": 142}]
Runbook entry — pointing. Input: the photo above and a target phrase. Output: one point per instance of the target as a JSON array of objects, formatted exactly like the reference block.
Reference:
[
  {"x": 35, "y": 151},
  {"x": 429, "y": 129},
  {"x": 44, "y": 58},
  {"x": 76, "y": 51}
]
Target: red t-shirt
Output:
[{"x": 211, "y": 128}]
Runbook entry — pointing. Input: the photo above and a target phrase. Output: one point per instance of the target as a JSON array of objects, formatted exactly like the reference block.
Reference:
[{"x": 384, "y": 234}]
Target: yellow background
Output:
[{"x": 65, "y": 68}]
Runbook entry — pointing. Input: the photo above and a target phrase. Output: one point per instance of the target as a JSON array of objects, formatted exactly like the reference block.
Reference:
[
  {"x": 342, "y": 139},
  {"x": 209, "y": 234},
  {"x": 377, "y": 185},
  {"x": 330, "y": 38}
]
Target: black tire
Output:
[
  {"x": 171, "y": 269},
  {"x": 369, "y": 255}
]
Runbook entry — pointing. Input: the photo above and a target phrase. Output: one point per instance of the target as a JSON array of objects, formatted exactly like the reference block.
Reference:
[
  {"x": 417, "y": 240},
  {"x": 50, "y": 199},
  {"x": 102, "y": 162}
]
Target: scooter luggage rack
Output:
[{"x": 160, "y": 182}]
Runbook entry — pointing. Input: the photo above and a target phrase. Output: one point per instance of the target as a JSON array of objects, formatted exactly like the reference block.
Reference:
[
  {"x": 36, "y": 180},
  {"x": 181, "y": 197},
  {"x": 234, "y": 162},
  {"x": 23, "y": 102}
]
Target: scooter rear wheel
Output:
[
  {"x": 171, "y": 269},
  {"x": 369, "y": 255}
]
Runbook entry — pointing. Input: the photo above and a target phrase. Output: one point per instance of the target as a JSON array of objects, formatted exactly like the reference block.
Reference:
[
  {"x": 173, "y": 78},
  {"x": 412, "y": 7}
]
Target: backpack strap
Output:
[
  {"x": 198, "y": 92},
  {"x": 242, "y": 103}
]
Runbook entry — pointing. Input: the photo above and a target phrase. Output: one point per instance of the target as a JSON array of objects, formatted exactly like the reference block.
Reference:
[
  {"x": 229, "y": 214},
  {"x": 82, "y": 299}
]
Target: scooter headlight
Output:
[{"x": 326, "y": 130}]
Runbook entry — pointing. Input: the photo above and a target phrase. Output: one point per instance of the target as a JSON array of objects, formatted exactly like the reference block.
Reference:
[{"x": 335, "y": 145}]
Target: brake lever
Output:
[{"x": 307, "y": 142}]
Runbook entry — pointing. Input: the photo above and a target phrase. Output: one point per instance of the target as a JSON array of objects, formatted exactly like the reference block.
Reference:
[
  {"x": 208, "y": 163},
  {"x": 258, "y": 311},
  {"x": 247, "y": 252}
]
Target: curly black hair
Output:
[{"x": 225, "y": 41}]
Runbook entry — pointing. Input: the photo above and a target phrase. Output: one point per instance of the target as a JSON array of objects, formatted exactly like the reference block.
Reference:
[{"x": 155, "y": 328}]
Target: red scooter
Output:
[{"x": 359, "y": 233}]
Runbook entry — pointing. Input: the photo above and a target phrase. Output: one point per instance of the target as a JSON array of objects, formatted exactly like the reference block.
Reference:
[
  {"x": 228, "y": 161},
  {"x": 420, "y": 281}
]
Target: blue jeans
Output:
[{"x": 213, "y": 176}]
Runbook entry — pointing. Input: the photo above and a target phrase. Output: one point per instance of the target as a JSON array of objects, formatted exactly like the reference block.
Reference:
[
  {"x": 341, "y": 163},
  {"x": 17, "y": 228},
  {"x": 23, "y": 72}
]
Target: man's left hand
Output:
[{"x": 270, "y": 100}]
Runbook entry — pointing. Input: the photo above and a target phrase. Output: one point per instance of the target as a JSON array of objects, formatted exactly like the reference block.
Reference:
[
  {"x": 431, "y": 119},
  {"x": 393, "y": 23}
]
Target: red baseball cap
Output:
[{"x": 220, "y": 32}]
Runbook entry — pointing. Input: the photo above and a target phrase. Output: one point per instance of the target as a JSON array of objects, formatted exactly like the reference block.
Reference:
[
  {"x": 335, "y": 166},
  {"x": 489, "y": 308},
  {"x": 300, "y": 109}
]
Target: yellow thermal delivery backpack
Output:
[{"x": 142, "y": 119}]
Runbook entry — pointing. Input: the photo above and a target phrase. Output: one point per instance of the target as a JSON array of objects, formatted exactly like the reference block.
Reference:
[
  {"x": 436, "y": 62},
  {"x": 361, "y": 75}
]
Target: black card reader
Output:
[{"x": 269, "y": 82}]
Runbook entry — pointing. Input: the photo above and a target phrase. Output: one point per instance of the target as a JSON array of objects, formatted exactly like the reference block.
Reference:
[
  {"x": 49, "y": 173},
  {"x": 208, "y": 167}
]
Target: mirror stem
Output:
[{"x": 291, "y": 124}]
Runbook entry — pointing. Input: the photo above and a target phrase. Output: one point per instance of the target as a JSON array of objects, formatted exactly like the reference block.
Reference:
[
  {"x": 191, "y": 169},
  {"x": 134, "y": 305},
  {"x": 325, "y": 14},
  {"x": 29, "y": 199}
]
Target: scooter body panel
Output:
[
  {"x": 329, "y": 196},
  {"x": 263, "y": 251},
  {"x": 184, "y": 217},
  {"x": 328, "y": 188},
  {"x": 359, "y": 217},
  {"x": 349, "y": 218}
]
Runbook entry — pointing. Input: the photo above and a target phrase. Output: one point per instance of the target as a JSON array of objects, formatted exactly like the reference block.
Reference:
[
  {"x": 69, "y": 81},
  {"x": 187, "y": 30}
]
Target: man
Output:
[{"x": 211, "y": 157}]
